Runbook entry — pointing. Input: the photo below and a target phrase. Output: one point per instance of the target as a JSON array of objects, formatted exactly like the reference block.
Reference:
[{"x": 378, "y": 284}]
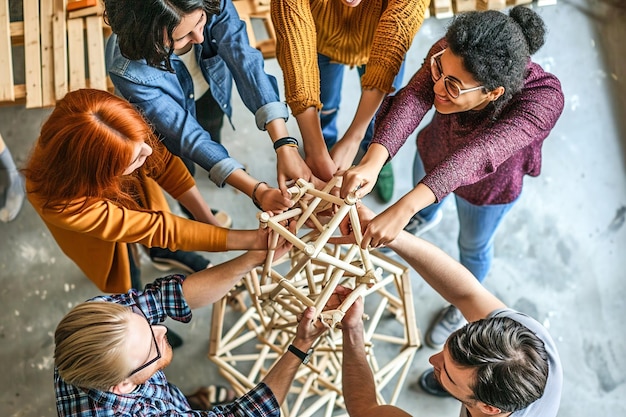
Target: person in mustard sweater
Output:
[
  {"x": 316, "y": 39},
  {"x": 95, "y": 177}
]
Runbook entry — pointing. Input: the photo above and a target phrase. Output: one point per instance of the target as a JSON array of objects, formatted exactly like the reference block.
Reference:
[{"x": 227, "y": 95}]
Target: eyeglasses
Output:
[
  {"x": 451, "y": 85},
  {"x": 156, "y": 345}
]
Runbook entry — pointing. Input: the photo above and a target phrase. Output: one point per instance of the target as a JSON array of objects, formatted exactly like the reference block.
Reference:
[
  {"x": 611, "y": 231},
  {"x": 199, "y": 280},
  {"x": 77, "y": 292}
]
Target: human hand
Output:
[
  {"x": 272, "y": 199},
  {"x": 360, "y": 180},
  {"x": 310, "y": 327},
  {"x": 353, "y": 318},
  {"x": 321, "y": 164},
  {"x": 344, "y": 152},
  {"x": 385, "y": 227},
  {"x": 347, "y": 228},
  {"x": 290, "y": 167}
]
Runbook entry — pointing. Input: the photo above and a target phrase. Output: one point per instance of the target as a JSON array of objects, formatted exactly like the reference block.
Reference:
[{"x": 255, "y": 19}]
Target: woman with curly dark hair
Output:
[{"x": 494, "y": 108}]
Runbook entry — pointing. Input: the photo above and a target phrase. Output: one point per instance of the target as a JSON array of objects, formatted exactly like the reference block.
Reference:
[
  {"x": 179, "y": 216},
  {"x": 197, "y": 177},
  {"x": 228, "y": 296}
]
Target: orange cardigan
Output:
[{"x": 95, "y": 235}]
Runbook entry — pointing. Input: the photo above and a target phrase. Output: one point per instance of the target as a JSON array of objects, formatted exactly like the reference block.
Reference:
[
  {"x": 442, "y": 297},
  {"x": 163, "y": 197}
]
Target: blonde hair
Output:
[{"x": 90, "y": 345}]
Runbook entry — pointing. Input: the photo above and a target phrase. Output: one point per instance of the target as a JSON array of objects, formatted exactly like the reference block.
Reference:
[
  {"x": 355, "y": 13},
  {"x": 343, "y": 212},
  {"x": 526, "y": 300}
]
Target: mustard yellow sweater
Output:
[{"x": 376, "y": 32}]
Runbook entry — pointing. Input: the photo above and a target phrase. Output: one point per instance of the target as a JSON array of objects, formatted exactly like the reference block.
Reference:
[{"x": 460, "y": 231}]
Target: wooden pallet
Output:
[
  {"x": 61, "y": 53},
  {"x": 251, "y": 11}
]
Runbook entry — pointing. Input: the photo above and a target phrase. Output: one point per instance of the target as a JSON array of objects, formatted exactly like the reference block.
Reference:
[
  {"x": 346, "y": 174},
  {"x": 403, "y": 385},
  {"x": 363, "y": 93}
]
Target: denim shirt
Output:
[{"x": 167, "y": 100}]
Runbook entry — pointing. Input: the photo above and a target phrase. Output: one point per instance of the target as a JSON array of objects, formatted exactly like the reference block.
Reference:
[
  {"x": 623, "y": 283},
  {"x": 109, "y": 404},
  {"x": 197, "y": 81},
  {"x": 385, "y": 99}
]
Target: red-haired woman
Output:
[{"x": 95, "y": 177}]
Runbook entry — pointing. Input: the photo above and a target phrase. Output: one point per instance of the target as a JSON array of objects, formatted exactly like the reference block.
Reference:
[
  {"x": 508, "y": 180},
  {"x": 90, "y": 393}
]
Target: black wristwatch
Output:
[{"x": 304, "y": 357}]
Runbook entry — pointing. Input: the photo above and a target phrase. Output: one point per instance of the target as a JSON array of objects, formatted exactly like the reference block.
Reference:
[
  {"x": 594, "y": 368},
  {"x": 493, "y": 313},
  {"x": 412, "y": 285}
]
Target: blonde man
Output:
[{"x": 110, "y": 351}]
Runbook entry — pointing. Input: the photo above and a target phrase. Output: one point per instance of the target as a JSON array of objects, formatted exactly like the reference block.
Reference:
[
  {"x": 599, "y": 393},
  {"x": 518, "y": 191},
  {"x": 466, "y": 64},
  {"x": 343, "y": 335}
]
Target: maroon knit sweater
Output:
[{"x": 478, "y": 157}]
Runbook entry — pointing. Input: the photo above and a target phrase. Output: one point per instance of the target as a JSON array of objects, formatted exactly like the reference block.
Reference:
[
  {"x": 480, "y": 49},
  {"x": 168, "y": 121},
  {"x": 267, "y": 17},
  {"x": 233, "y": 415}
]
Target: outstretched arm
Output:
[
  {"x": 449, "y": 278},
  {"x": 280, "y": 377},
  {"x": 209, "y": 285},
  {"x": 359, "y": 388}
]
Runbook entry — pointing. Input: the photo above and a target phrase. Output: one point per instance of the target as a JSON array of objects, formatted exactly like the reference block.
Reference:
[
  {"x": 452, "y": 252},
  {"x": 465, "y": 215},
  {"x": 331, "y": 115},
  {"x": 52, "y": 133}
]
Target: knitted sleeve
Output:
[
  {"x": 399, "y": 115},
  {"x": 395, "y": 32},
  {"x": 296, "y": 51}
]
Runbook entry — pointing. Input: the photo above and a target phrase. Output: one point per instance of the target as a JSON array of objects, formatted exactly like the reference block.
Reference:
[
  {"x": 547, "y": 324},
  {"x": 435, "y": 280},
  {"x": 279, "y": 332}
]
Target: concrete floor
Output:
[{"x": 560, "y": 254}]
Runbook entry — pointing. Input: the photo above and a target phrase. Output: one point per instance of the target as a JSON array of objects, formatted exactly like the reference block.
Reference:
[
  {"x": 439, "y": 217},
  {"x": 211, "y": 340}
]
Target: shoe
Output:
[
  {"x": 430, "y": 385},
  {"x": 418, "y": 226},
  {"x": 173, "y": 339},
  {"x": 223, "y": 218},
  {"x": 448, "y": 321},
  {"x": 166, "y": 260},
  {"x": 384, "y": 184}
]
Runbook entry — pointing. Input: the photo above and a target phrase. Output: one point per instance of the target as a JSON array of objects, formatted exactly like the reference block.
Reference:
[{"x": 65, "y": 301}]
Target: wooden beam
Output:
[
  {"x": 7, "y": 92},
  {"x": 32, "y": 54},
  {"x": 76, "y": 54},
  {"x": 95, "y": 53},
  {"x": 47, "y": 53},
  {"x": 59, "y": 41}
]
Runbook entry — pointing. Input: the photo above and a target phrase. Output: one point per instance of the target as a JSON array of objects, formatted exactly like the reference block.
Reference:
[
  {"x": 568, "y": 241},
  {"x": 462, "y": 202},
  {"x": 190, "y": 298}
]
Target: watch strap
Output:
[{"x": 304, "y": 356}]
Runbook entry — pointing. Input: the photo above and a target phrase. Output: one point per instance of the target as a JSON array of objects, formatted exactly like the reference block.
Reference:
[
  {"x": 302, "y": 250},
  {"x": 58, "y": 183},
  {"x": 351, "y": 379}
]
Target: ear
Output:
[
  {"x": 495, "y": 93},
  {"x": 487, "y": 409},
  {"x": 124, "y": 387}
]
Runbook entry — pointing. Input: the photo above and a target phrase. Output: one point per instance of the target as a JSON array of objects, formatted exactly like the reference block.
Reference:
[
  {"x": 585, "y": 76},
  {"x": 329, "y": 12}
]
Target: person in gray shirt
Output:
[{"x": 502, "y": 363}]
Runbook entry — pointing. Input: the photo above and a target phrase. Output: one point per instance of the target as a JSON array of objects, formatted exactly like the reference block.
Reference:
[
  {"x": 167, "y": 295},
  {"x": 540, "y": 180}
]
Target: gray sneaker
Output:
[
  {"x": 418, "y": 226},
  {"x": 448, "y": 321}
]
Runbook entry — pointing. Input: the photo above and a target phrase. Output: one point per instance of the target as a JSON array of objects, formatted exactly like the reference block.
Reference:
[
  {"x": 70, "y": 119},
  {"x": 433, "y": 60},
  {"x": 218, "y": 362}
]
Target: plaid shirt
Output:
[{"x": 156, "y": 397}]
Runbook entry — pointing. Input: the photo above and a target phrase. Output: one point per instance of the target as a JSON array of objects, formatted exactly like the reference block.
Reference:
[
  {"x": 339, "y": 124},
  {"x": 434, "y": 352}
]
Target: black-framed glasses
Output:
[
  {"x": 137, "y": 310},
  {"x": 452, "y": 86}
]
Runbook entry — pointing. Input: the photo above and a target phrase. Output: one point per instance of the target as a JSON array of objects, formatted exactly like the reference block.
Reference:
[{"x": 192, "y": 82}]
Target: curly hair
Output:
[
  {"x": 511, "y": 362},
  {"x": 84, "y": 148},
  {"x": 144, "y": 27},
  {"x": 496, "y": 48}
]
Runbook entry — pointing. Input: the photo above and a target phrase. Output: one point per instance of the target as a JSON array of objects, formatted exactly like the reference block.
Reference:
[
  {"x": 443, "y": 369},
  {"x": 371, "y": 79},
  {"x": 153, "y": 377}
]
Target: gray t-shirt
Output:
[{"x": 548, "y": 404}]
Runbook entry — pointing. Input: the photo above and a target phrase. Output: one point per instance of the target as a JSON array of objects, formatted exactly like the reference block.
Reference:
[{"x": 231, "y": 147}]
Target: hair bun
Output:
[{"x": 532, "y": 26}]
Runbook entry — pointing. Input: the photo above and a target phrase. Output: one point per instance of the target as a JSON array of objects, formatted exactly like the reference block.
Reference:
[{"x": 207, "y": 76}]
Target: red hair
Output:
[{"x": 85, "y": 146}]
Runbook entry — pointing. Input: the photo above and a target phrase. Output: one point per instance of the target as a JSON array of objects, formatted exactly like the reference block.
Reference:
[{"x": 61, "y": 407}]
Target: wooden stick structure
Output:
[{"x": 245, "y": 346}]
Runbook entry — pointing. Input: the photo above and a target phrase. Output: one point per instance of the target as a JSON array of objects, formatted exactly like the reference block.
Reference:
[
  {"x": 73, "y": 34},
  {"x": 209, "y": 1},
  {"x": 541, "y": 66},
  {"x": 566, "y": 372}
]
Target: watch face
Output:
[{"x": 307, "y": 358}]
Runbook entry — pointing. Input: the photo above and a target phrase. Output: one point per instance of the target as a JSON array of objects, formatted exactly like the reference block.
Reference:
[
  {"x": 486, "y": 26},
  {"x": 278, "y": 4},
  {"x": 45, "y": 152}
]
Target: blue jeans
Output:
[
  {"x": 477, "y": 227},
  {"x": 331, "y": 81}
]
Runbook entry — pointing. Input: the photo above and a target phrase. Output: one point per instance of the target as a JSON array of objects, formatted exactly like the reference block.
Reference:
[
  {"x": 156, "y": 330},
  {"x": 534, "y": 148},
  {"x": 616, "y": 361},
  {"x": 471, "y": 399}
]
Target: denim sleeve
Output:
[
  {"x": 157, "y": 98},
  {"x": 258, "y": 90}
]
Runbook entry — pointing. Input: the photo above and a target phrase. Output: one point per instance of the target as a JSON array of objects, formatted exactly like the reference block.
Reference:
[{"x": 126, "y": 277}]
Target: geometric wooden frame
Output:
[{"x": 271, "y": 297}]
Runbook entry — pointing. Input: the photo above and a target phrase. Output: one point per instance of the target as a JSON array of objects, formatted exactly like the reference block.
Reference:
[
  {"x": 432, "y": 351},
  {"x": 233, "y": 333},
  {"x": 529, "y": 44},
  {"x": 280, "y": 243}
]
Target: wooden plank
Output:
[
  {"x": 95, "y": 53},
  {"x": 59, "y": 42},
  {"x": 32, "y": 54},
  {"x": 46, "y": 9},
  {"x": 7, "y": 93},
  {"x": 76, "y": 53},
  {"x": 464, "y": 5}
]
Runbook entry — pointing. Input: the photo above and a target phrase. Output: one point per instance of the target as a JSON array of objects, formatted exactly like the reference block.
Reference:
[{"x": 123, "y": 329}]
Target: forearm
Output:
[
  {"x": 359, "y": 388},
  {"x": 281, "y": 376},
  {"x": 375, "y": 157},
  {"x": 277, "y": 129},
  {"x": 448, "y": 277},
  {"x": 193, "y": 201},
  {"x": 311, "y": 131},
  {"x": 242, "y": 181},
  {"x": 208, "y": 286},
  {"x": 368, "y": 105},
  {"x": 415, "y": 200}
]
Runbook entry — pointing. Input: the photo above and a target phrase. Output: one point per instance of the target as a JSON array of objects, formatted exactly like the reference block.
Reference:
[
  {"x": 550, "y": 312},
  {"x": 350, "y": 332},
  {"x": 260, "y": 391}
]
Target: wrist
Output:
[
  {"x": 303, "y": 355},
  {"x": 256, "y": 192},
  {"x": 286, "y": 141}
]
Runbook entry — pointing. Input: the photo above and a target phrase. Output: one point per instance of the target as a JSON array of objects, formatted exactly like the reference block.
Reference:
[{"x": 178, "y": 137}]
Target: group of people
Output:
[{"x": 98, "y": 168}]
